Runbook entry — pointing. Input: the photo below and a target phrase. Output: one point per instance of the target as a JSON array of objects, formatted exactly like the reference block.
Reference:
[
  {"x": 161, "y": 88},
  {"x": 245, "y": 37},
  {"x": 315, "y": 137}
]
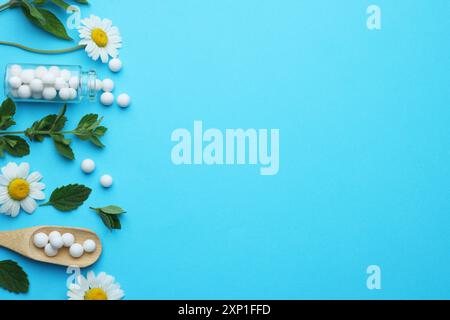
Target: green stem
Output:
[
  {"x": 42, "y": 133},
  {"x": 18, "y": 45}
]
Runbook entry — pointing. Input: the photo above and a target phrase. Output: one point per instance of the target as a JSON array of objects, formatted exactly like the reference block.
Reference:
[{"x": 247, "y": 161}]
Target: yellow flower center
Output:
[
  {"x": 19, "y": 189},
  {"x": 99, "y": 37},
  {"x": 95, "y": 294}
]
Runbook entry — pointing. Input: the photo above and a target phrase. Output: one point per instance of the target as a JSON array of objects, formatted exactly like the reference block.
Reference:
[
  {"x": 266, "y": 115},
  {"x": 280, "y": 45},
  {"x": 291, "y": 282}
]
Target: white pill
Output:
[
  {"x": 108, "y": 85},
  {"x": 24, "y": 91},
  {"x": 36, "y": 85},
  {"x": 36, "y": 95},
  {"x": 40, "y": 71},
  {"x": 68, "y": 239},
  {"x": 74, "y": 82},
  {"x": 50, "y": 251},
  {"x": 15, "y": 82},
  {"x": 89, "y": 246},
  {"x": 66, "y": 74},
  {"x": 88, "y": 165},
  {"x": 73, "y": 93},
  {"x": 49, "y": 93},
  {"x": 123, "y": 100},
  {"x": 115, "y": 65},
  {"x": 106, "y": 181},
  {"x": 76, "y": 250},
  {"x": 56, "y": 240},
  {"x": 60, "y": 83},
  {"x": 15, "y": 70},
  {"x": 64, "y": 94},
  {"x": 107, "y": 98},
  {"x": 49, "y": 79},
  {"x": 40, "y": 240},
  {"x": 55, "y": 70},
  {"x": 27, "y": 75}
]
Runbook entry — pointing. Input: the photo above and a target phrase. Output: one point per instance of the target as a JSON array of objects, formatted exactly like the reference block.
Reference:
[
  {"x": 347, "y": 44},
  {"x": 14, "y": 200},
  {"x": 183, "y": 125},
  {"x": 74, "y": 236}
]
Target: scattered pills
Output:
[
  {"x": 15, "y": 82},
  {"x": 40, "y": 240},
  {"x": 49, "y": 93},
  {"x": 107, "y": 98},
  {"x": 89, "y": 246},
  {"x": 36, "y": 85},
  {"x": 24, "y": 91},
  {"x": 50, "y": 251},
  {"x": 106, "y": 181},
  {"x": 68, "y": 239},
  {"x": 115, "y": 65},
  {"x": 123, "y": 100},
  {"x": 76, "y": 250},
  {"x": 108, "y": 85},
  {"x": 88, "y": 165}
]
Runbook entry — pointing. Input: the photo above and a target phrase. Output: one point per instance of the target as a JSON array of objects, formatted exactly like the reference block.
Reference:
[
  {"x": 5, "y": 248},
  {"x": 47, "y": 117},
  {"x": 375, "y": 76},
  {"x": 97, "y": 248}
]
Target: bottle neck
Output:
[{"x": 88, "y": 84}]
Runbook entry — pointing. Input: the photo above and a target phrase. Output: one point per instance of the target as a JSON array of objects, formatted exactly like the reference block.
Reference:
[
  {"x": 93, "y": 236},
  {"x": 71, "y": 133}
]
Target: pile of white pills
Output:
[
  {"x": 55, "y": 241},
  {"x": 107, "y": 97},
  {"x": 43, "y": 83}
]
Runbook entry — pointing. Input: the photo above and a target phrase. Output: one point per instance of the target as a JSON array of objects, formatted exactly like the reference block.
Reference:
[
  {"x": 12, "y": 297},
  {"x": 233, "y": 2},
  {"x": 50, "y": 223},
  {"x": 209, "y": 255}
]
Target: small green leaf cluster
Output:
[
  {"x": 42, "y": 18},
  {"x": 110, "y": 216},
  {"x": 12, "y": 277},
  {"x": 52, "y": 126}
]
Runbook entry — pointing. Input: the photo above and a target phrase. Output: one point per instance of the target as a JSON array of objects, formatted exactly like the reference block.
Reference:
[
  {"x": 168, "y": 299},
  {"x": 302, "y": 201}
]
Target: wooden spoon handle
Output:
[{"x": 17, "y": 240}]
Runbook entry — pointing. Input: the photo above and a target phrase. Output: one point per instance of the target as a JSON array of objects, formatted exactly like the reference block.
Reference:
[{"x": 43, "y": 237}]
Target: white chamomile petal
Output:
[
  {"x": 29, "y": 205},
  {"x": 34, "y": 177},
  {"x": 4, "y": 181},
  {"x": 23, "y": 170},
  {"x": 15, "y": 209},
  {"x": 10, "y": 171}
]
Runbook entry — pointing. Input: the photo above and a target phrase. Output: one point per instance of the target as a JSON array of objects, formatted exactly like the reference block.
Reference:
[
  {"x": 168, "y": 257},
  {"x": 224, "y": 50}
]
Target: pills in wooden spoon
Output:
[{"x": 54, "y": 242}]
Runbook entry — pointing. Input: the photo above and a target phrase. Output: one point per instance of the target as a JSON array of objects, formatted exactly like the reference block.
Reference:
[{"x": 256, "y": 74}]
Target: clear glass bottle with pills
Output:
[{"x": 49, "y": 83}]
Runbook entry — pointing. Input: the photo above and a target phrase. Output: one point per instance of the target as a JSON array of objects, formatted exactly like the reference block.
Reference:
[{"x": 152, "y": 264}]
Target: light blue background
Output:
[{"x": 365, "y": 148}]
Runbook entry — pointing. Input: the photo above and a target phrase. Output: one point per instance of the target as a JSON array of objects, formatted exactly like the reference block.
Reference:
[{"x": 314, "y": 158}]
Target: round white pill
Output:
[
  {"x": 49, "y": 79},
  {"x": 88, "y": 165},
  {"x": 15, "y": 70},
  {"x": 56, "y": 240},
  {"x": 106, "y": 181},
  {"x": 36, "y": 85},
  {"x": 60, "y": 83},
  {"x": 89, "y": 246},
  {"x": 76, "y": 250},
  {"x": 40, "y": 240},
  {"x": 40, "y": 71},
  {"x": 68, "y": 239},
  {"x": 73, "y": 93},
  {"x": 14, "y": 93},
  {"x": 55, "y": 70},
  {"x": 65, "y": 74},
  {"x": 74, "y": 82},
  {"x": 36, "y": 95},
  {"x": 24, "y": 91},
  {"x": 107, "y": 98},
  {"x": 27, "y": 75},
  {"x": 15, "y": 82},
  {"x": 115, "y": 65},
  {"x": 50, "y": 251},
  {"x": 64, "y": 94},
  {"x": 108, "y": 85},
  {"x": 49, "y": 93},
  {"x": 123, "y": 100}
]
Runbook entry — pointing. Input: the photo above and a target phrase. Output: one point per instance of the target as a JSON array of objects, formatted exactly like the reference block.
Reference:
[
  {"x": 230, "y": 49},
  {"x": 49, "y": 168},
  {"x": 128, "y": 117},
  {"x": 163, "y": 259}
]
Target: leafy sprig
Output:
[
  {"x": 12, "y": 277},
  {"x": 68, "y": 198},
  {"x": 110, "y": 216},
  {"x": 42, "y": 18},
  {"x": 52, "y": 126}
]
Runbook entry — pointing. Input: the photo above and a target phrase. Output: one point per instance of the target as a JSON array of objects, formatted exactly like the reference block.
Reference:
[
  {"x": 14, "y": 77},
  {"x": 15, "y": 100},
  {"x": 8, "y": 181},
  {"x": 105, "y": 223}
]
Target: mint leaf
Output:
[
  {"x": 110, "y": 216},
  {"x": 51, "y": 23},
  {"x": 69, "y": 198},
  {"x": 14, "y": 145},
  {"x": 7, "y": 112},
  {"x": 12, "y": 277}
]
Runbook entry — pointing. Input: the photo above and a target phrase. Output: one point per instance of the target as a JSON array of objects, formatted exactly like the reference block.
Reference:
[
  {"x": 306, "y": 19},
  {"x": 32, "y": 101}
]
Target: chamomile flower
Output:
[
  {"x": 18, "y": 189},
  {"x": 100, "y": 287},
  {"x": 100, "y": 37}
]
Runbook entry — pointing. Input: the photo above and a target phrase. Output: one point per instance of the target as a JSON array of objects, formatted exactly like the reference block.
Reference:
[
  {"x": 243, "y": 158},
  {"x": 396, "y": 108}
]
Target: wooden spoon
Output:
[{"x": 21, "y": 241}]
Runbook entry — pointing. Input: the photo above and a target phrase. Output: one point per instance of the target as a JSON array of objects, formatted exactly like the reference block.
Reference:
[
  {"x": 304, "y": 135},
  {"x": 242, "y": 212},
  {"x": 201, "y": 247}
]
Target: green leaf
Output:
[
  {"x": 110, "y": 216},
  {"x": 69, "y": 198},
  {"x": 51, "y": 25},
  {"x": 13, "y": 278},
  {"x": 33, "y": 11},
  {"x": 82, "y": 1},
  {"x": 14, "y": 145},
  {"x": 50, "y": 124},
  {"x": 61, "y": 3},
  {"x": 7, "y": 112},
  {"x": 64, "y": 149}
]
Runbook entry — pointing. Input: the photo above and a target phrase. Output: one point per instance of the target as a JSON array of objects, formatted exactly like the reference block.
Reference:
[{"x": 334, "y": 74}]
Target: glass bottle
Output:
[{"x": 26, "y": 82}]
